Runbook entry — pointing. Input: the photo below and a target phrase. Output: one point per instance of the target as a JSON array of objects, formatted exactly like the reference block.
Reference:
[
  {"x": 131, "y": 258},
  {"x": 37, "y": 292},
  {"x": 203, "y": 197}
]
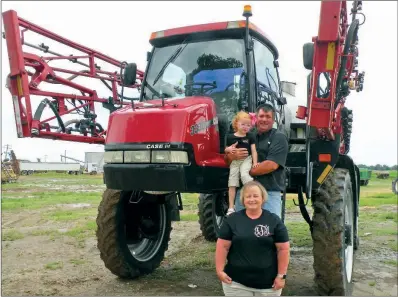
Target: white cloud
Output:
[{"x": 122, "y": 29}]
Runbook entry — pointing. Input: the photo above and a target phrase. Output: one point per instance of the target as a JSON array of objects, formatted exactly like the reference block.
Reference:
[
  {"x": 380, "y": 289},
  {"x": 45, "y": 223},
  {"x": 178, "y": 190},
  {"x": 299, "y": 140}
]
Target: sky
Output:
[{"x": 122, "y": 30}]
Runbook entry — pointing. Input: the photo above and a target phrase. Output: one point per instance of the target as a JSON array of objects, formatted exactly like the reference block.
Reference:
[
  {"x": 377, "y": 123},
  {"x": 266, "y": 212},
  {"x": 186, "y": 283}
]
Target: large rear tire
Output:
[
  {"x": 133, "y": 232},
  {"x": 212, "y": 211},
  {"x": 395, "y": 186},
  {"x": 333, "y": 235}
]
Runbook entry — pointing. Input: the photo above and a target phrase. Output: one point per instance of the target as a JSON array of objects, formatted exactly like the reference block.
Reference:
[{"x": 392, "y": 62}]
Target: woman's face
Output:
[{"x": 252, "y": 198}]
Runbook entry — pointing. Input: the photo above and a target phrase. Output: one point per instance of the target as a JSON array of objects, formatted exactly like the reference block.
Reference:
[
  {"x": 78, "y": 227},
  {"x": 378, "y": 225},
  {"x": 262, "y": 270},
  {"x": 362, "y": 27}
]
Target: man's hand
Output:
[
  {"x": 235, "y": 154},
  {"x": 231, "y": 149},
  {"x": 240, "y": 154}
]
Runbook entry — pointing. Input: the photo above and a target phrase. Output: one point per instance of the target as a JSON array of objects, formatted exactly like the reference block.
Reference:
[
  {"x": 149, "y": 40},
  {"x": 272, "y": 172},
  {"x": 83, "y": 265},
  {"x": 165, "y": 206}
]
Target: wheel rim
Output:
[
  {"x": 349, "y": 243},
  {"x": 145, "y": 249}
]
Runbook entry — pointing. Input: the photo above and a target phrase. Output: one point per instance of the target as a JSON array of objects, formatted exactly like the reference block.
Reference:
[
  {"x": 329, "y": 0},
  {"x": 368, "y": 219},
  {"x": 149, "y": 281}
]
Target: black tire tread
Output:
[
  {"x": 328, "y": 231},
  {"x": 107, "y": 239},
  {"x": 206, "y": 217}
]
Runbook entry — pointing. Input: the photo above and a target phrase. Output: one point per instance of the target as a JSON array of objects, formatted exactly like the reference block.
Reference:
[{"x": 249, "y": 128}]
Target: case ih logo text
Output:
[
  {"x": 158, "y": 146},
  {"x": 203, "y": 125}
]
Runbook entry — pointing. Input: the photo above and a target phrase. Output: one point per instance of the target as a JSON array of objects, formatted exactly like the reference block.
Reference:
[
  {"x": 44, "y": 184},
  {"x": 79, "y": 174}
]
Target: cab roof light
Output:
[
  {"x": 247, "y": 11},
  {"x": 157, "y": 34}
]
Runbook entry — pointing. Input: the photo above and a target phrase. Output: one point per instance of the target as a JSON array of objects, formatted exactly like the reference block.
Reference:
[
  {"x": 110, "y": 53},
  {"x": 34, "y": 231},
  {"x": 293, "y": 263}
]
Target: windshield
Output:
[{"x": 212, "y": 68}]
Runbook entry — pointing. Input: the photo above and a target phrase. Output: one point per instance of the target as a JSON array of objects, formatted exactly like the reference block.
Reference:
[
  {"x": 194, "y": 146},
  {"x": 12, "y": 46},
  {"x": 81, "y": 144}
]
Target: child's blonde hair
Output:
[
  {"x": 250, "y": 184},
  {"x": 239, "y": 116}
]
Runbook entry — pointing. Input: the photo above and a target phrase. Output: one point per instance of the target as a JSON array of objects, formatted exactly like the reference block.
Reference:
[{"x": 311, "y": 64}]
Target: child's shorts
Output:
[{"x": 240, "y": 169}]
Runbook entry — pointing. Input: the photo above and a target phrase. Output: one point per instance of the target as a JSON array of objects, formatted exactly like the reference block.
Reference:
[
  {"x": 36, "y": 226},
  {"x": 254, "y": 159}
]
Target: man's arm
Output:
[
  {"x": 264, "y": 168},
  {"x": 254, "y": 154},
  {"x": 277, "y": 155}
]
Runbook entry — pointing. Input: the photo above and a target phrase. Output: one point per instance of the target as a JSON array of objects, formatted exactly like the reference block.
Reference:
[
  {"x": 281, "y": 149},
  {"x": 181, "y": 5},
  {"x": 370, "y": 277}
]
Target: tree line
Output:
[{"x": 378, "y": 167}]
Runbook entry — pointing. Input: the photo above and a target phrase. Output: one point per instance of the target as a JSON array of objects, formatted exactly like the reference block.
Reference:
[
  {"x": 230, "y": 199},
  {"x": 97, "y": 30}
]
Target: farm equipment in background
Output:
[
  {"x": 383, "y": 175},
  {"x": 365, "y": 175},
  {"x": 28, "y": 168},
  {"x": 170, "y": 141},
  {"x": 10, "y": 170}
]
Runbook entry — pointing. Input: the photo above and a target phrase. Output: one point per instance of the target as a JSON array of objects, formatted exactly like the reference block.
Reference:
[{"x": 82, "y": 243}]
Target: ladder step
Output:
[{"x": 297, "y": 140}]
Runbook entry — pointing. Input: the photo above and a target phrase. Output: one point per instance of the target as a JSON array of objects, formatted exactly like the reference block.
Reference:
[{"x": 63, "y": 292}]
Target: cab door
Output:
[{"x": 267, "y": 80}]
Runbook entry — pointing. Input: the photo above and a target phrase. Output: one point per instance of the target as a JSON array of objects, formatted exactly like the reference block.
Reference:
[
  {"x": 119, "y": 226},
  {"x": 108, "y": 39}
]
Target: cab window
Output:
[{"x": 267, "y": 86}]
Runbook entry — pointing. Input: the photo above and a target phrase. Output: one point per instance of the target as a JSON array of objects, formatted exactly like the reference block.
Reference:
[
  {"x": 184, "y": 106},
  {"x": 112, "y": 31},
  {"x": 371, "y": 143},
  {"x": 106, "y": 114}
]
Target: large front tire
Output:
[
  {"x": 333, "y": 235},
  {"x": 133, "y": 232},
  {"x": 212, "y": 211}
]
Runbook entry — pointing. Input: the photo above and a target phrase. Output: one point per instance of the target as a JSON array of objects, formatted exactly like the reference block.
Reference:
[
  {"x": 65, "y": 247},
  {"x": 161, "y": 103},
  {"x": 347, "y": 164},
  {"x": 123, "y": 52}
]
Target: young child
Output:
[{"x": 241, "y": 124}]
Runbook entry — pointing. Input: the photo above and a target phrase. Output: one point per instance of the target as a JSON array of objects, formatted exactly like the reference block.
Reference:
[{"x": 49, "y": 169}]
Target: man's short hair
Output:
[{"x": 266, "y": 107}]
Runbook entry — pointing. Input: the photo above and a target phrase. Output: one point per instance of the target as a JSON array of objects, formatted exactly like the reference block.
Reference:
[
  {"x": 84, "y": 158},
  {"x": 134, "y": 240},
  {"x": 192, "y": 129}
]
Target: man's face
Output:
[{"x": 265, "y": 121}]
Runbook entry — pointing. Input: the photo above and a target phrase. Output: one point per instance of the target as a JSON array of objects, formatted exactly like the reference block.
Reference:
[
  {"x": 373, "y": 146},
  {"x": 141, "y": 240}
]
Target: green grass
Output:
[
  {"x": 393, "y": 246},
  {"x": 11, "y": 235},
  {"x": 77, "y": 261},
  {"x": 377, "y": 199},
  {"x": 372, "y": 283},
  {"x": 377, "y": 217},
  {"x": 52, "y": 233},
  {"x": 189, "y": 217},
  {"x": 54, "y": 265},
  {"x": 299, "y": 234},
  {"x": 391, "y": 262},
  {"x": 190, "y": 201},
  {"x": 71, "y": 215},
  {"x": 42, "y": 199}
]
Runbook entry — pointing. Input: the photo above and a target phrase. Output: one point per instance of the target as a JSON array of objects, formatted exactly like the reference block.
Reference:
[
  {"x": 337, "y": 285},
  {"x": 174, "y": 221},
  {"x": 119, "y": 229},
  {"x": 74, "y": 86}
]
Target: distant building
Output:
[{"x": 95, "y": 158}]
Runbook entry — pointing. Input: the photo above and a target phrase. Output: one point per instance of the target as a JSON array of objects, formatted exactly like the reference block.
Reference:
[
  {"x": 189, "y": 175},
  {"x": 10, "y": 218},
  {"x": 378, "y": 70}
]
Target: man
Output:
[{"x": 272, "y": 149}]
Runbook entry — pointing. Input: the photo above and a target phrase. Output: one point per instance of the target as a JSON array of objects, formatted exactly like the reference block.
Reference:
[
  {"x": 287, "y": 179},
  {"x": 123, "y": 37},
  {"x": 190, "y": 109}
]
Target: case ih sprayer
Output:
[{"x": 170, "y": 141}]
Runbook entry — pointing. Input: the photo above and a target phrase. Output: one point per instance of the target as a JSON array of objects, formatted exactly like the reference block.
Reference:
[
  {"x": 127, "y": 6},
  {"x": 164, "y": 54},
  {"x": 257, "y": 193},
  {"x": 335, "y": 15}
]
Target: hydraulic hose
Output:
[
  {"x": 39, "y": 112},
  {"x": 78, "y": 122},
  {"x": 67, "y": 123},
  {"x": 352, "y": 32}
]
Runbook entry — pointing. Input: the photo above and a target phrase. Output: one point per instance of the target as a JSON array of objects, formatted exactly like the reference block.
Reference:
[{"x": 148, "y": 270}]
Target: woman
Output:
[{"x": 256, "y": 244}]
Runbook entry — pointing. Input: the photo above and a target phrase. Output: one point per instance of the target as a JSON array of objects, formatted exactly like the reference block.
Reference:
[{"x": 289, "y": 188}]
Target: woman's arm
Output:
[
  {"x": 283, "y": 250},
  {"x": 222, "y": 249}
]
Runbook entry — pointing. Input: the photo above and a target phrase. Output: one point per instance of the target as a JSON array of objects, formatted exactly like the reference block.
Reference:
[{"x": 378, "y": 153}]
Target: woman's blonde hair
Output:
[
  {"x": 250, "y": 184},
  {"x": 239, "y": 116}
]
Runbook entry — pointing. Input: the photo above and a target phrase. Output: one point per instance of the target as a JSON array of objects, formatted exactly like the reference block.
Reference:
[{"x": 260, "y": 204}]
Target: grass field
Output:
[{"x": 48, "y": 241}]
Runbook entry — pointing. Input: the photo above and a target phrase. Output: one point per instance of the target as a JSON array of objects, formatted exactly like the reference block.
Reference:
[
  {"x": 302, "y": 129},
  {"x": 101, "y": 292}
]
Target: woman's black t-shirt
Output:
[{"x": 252, "y": 257}]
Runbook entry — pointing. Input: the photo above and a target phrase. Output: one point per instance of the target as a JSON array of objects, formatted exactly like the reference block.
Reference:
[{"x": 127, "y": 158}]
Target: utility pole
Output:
[{"x": 6, "y": 148}]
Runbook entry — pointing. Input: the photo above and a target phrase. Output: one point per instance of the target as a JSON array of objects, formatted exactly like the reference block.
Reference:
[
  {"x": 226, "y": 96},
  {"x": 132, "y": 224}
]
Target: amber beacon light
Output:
[{"x": 247, "y": 11}]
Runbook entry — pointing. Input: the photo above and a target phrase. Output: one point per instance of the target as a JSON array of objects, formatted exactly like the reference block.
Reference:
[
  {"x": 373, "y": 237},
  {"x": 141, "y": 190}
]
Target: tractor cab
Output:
[{"x": 234, "y": 63}]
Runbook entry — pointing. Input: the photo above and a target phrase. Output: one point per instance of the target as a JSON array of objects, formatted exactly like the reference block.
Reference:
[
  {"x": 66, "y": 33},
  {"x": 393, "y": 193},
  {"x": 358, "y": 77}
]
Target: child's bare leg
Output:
[{"x": 231, "y": 197}]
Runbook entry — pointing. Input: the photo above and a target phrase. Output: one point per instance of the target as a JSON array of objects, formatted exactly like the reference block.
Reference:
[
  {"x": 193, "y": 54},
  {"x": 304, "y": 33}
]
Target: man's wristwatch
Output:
[{"x": 282, "y": 276}]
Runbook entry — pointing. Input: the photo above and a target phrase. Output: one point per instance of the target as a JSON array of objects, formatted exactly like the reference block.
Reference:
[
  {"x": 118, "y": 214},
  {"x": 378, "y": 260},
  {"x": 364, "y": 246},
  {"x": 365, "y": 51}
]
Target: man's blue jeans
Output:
[{"x": 273, "y": 203}]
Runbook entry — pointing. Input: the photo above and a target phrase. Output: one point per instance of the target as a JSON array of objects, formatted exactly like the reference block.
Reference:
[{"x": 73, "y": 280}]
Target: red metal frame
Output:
[
  {"x": 23, "y": 83},
  {"x": 328, "y": 51}
]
